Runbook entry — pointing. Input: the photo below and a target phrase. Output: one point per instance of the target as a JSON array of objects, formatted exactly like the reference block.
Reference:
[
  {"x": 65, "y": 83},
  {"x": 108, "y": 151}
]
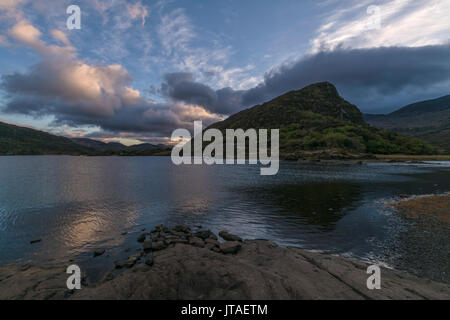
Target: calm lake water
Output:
[{"x": 79, "y": 204}]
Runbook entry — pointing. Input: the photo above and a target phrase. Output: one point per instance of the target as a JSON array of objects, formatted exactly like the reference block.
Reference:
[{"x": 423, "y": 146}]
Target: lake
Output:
[{"x": 79, "y": 204}]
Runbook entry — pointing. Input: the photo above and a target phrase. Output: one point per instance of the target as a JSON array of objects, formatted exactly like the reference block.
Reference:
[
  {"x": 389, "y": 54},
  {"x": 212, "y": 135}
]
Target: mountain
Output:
[
  {"x": 21, "y": 140},
  {"x": 316, "y": 121},
  {"x": 26, "y": 141},
  {"x": 145, "y": 147},
  {"x": 428, "y": 120},
  {"x": 99, "y": 145},
  {"x": 117, "y": 147}
]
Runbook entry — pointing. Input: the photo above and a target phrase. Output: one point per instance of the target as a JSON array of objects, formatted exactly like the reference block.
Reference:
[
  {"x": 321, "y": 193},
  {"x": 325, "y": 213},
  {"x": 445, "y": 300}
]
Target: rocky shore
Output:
[{"x": 179, "y": 263}]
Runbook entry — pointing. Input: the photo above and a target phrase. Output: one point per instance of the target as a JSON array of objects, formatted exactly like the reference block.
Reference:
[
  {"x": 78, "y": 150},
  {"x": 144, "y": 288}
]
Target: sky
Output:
[{"x": 137, "y": 70}]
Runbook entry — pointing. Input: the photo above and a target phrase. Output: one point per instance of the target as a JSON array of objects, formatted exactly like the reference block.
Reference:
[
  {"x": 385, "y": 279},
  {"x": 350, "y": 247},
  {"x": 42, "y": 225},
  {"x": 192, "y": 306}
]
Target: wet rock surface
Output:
[
  {"x": 229, "y": 237},
  {"x": 177, "y": 263}
]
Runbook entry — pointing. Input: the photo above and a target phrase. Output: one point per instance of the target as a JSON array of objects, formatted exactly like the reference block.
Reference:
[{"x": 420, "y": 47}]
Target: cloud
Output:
[
  {"x": 175, "y": 31},
  {"x": 29, "y": 35},
  {"x": 411, "y": 23},
  {"x": 10, "y": 9},
  {"x": 372, "y": 78},
  {"x": 60, "y": 36},
  {"x": 3, "y": 41},
  {"x": 137, "y": 11},
  {"x": 77, "y": 93},
  {"x": 361, "y": 75},
  {"x": 182, "y": 87}
]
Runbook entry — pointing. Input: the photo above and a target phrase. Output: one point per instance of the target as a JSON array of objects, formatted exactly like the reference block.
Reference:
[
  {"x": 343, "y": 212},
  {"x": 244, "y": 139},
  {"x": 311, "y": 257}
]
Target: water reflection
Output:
[{"x": 320, "y": 204}]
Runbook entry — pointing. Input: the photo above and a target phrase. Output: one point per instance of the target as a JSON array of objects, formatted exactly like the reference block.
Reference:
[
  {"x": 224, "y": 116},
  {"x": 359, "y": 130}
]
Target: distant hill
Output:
[
  {"x": 428, "y": 120},
  {"x": 21, "y": 140},
  {"x": 146, "y": 146},
  {"x": 317, "y": 121},
  {"x": 16, "y": 140},
  {"x": 99, "y": 145},
  {"x": 118, "y": 147}
]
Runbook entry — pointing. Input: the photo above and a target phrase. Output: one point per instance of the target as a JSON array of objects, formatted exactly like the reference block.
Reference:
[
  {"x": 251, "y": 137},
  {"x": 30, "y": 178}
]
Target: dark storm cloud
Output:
[
  {"x": 181, "y": 86},
  {"x": 374, "y": 78},
  {"x": 385, "y": 72},
  {"x": 68, "y": 90}
]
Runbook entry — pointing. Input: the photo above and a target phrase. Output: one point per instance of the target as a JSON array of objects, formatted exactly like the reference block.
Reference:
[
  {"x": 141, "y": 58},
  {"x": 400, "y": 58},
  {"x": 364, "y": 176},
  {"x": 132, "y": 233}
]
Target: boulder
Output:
[
  {"x": 197, "y": 242},
  {"x": 158, "y": 245},
  {"x": 98, "y": 252},
  {"x": 149, "y": 260},
  {"x": 132, "y": 260},
  {"x": 183, "y": 229},
  {"x": 203, "y": 234},
  {"x": 147, "y": 245},
  {"x": 141, "y": 237},
  {"x": 180, "y": 240},
  {"x": 215, "y": 243},
  {"x": 230, "y": 247},
  {"x": 229, "y": 237}
]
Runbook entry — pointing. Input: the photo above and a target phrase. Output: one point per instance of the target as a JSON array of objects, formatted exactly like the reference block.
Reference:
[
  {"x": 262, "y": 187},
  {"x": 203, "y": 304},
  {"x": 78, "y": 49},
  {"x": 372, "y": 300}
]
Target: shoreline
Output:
[
  {"x": 313, "y": 157},
  {"x": 178, "y": 263}
]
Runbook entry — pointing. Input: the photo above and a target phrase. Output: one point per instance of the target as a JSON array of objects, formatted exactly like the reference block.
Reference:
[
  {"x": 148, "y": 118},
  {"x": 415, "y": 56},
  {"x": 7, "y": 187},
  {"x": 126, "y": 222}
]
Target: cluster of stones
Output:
[{"x": 162, "y": 237}]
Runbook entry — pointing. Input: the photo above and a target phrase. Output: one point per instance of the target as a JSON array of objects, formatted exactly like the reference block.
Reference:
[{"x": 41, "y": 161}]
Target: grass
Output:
[{"x": 433, "y": 205}]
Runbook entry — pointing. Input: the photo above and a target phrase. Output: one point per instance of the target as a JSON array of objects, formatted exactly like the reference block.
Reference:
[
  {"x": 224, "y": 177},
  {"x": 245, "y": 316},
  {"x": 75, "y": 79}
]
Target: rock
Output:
[
  {"x": 229, "y": 237},
  {"x": 124, "y": 233},
  {"x": 213, "y": 236},
  {"x": 149, "y": 260},
  {"x": 230, "y": 247},
  {"x": 404, "y": 196},
  {"x": 170, "y": 239},
  {"x": 98, "y": 252},
  {"x": 35, "y": 241},
  {"x": 132, "y": 260},
  {"x": 180, "y": 240},
  {"x": 263, "y": 271},
  {"x": 216, "y": 249},
  {"x": 119, "y": 264},
  {"x": 213, "y": 242},
  {"x": 141, "y": 237},
  {"x": 160, "y": 228},
  {"x": 147, "y": 245},
  {"x": 183, "y": 229},
  {"x": 109, "y": 277},
  {"x": 197, "y": 242},
  {"x": 203, "y": 234},
  {"x": 180, "y": 234},
  {"x": 158, "y": 245}
]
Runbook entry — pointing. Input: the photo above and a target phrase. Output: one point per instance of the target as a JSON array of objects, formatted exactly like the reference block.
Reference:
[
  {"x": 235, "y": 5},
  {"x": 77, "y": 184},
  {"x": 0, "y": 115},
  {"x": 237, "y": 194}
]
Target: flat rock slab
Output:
[{"x": 259, "y": 270}]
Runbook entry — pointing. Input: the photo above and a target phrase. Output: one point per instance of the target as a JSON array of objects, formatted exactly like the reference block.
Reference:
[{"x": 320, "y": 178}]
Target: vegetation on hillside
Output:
[
  {"x": 26, "y": 141},
  {"x": 428, "y": 120},
  {"x": 317, "y": 119},
  {"x": 15, "y": 140}
]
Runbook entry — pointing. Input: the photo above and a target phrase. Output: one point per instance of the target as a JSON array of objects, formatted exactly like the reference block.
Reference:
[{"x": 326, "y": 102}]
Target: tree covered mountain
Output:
[{"x": 317, "y": 121}]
